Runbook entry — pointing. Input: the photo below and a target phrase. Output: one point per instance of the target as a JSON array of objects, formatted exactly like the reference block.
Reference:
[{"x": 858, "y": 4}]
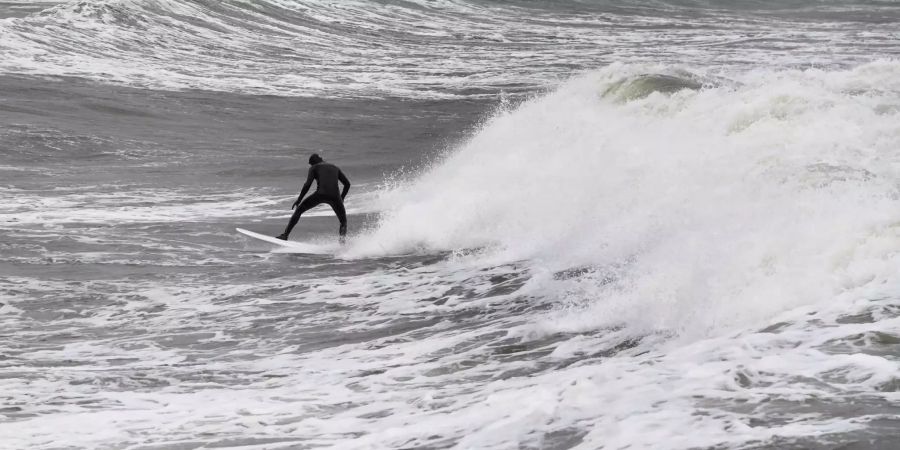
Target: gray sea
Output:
[{"x": 574, "y": 224}]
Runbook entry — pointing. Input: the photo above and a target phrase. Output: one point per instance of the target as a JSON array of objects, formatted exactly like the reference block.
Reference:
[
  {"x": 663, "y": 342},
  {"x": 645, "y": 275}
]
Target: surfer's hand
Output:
[{"x": 295, "y": 204}]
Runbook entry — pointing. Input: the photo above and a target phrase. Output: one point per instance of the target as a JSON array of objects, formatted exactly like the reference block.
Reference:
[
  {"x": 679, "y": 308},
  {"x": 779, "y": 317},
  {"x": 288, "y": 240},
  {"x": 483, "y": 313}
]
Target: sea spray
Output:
[{"x": 719, "y": 206}]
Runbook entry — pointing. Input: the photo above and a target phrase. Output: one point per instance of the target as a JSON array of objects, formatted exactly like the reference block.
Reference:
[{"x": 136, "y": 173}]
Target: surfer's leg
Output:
[
  {"x": 341, "y": 213},
  {"x": 304, "y": 206}
]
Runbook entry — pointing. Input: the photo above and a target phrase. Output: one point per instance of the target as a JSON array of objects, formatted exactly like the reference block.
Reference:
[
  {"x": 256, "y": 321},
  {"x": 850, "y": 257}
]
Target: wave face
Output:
[
  {"x": 416, "y": 48},
  {"x": 693, "y": 211}
]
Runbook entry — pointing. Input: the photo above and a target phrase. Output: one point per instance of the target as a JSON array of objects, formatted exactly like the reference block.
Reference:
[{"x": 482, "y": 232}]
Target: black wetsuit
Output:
[{"x": 326, "y": 177}]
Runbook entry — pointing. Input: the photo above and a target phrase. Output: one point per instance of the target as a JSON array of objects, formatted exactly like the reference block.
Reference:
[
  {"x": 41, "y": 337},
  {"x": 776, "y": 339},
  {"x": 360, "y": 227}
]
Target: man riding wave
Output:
[{"x": 326, "y": 176}]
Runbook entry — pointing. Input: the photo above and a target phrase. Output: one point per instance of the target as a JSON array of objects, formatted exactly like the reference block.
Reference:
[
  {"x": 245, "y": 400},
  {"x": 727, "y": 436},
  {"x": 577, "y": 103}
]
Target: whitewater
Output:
[{"x": 573, "y": 225}]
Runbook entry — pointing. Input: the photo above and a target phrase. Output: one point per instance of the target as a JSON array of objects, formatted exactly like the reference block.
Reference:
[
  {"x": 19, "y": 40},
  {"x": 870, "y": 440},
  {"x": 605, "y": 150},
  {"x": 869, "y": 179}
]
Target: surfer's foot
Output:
[{"x": 282, "y": 236}]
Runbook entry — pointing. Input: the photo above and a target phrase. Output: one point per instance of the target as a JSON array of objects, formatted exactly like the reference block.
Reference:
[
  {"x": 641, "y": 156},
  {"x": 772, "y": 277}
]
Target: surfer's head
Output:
[{"x": 315, "y": 159}]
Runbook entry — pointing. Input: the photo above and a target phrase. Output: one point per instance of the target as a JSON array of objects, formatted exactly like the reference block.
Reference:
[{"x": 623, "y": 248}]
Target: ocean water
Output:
[{"x": 594, "y": 224}]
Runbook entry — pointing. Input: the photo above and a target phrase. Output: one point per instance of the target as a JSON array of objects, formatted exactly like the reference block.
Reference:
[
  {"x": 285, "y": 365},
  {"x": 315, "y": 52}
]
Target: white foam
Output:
[
  {"x": 404, "y": 388},
  {"x": 709, "y": 209}
]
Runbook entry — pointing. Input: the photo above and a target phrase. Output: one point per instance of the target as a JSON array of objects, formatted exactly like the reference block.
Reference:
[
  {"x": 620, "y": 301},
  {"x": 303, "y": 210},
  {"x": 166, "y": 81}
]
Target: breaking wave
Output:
[{"x": 688, "y": 210}]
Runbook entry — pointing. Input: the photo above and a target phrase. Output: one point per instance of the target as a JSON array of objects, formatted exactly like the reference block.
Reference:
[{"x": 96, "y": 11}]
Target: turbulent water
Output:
[{"x": 619, "y": 224}]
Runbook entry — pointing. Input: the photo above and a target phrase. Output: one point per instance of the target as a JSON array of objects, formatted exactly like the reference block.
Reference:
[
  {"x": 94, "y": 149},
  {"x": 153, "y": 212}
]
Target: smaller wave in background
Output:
[{"x": 407, "y": 49}]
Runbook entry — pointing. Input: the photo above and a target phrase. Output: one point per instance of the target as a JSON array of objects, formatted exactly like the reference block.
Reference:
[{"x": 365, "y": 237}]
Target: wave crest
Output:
[{"x": 704, "y": 224}]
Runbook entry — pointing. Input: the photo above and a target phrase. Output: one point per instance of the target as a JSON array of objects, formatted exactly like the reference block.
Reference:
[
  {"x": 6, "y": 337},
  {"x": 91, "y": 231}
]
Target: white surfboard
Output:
[{"x": 290, "y": 246}]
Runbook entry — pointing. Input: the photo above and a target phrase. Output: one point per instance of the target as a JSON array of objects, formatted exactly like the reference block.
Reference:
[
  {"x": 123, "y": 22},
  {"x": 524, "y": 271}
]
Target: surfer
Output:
[{"x": 327, "y": 177}]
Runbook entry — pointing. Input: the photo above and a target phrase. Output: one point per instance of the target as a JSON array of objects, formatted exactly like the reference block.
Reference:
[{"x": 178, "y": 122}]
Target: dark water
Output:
[{"x": 578, "y": 224}]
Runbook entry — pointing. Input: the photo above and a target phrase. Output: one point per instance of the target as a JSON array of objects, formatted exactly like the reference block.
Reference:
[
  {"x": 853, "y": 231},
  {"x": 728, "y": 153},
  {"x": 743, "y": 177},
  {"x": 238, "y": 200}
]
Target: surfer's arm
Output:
[
  {"x": 343, "y": 179},
  {"x": 309, "y": 179}
]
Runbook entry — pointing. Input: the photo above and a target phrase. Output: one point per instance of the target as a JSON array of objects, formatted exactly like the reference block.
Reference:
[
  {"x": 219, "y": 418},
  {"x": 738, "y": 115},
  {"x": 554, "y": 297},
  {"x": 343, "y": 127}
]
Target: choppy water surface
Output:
[{"x": 597, "y": 224}]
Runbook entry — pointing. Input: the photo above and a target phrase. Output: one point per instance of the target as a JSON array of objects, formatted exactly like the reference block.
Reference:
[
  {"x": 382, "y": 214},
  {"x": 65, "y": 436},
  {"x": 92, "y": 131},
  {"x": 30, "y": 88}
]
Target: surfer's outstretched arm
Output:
[
  {"x": 343, "y": 179},
  {"x": 309, "y": 179}
]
